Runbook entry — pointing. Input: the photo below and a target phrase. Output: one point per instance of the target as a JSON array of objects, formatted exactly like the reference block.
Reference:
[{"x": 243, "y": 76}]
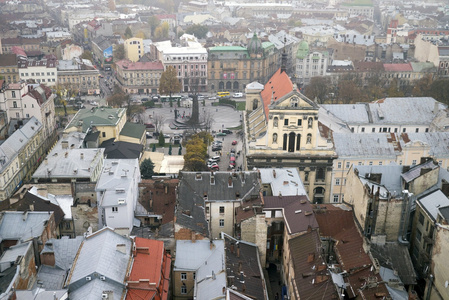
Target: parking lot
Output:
[{"x": 227, "y": 150}]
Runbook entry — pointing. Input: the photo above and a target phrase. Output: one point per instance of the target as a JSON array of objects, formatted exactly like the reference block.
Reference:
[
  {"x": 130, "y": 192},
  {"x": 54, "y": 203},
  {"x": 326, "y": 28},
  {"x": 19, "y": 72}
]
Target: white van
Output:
[{"x": 237, "y": 95}]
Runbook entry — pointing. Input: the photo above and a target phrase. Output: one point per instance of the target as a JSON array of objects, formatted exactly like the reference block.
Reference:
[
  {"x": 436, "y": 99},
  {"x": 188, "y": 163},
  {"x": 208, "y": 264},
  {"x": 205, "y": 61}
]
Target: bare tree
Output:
[
  {"x": 158, "y": 120},
  {"x": 207, "y": 119}
]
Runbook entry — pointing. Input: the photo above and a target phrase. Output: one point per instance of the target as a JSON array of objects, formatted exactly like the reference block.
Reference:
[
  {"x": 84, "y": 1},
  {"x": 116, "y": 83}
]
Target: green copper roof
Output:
[
  {"x": 267, "y": 45},
  {"x": 358, "y": 3},
  {"x": 254, "y": 45},
  {"x": 103, "y": 116},
  {"x": 133, "y": 130},
  {"x": 227, "y": 48},
  {"x": 303, "y": 50}
]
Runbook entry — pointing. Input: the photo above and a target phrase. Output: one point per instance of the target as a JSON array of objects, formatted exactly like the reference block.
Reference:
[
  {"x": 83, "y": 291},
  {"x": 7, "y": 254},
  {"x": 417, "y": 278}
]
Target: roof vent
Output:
[
  {"x": 88, "y": 278},
  {"x": 121, "y": 201}
]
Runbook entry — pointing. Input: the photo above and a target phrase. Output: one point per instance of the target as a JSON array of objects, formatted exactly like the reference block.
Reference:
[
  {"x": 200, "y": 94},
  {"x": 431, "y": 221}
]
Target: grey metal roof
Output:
[
  {"x": 415, "y": 172},
  {"x": 195, "y": 186},
  {"x": 12, "y": 146},
  {"x": 433, "y": 202},
  {"x": 438, "y": 142},
  {"x": 403, "y": 111},
  {"x": 64, "y": 250},
  {"x": 444, "y": 211},
  {"x": 51, "y": 277},
  {"x": 211, "y": 275},
  {"x": 285, "y": 182},
  {"x": 22, "y": 225},
  {"x": 391, "y": 177},
  {"x": 67, "y": 163},
  {"x": 191, "y": 255},
  {"x": 118, "y": 175},
  {"x": 98, "y": 256},
  {"x": 12, "y": 253},
  {"x": 367, "y": 145},
  {"x": 350, "y": 113}
]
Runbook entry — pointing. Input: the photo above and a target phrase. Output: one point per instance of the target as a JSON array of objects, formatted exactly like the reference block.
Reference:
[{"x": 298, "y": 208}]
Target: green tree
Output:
[
  {"x": 119, "y": 52},
  {"x": 154, "y": 22},
  {"x": 169, "y": 82},
  {"x": 161, "y": 139},
  {"x": 348, "y": 91},
  {"x": 87, "y": 55},
  {"x": 200, "y": 31},
  {"x": 154, "y": 148},
  {"x": 147, "y": 169},
  {"x": 128, "y": 33},
  {"x": 170, "y": 149}
]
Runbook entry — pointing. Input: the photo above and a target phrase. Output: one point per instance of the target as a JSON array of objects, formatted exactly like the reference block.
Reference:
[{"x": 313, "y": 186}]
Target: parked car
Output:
[
  {"x": 167, "y": 136},
  {"x": 217, "y": 148},
  {"x": 227, "y": 131},
  {"x": 213, "y": 98},
  {"x": 93, "y": 103},
  {"x": 234, "y": 142},
  {"x": 217, "y": 158},
  {"x": 215, "y": 167},
  {"x": 221, "y": 134},
  {"x": 237, "y": 95}
]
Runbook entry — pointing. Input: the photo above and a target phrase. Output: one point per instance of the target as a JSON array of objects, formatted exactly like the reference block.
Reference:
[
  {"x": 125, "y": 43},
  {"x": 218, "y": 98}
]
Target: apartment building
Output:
[
  {"x": 139, "y": 77},
  {"x": 41, "y": 71},
  {"x": 78, "y": 75},
  {"x": 190, "y": 61}
]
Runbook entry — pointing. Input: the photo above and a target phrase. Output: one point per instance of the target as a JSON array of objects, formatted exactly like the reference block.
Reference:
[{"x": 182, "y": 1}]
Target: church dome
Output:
[{"x": 254, "y": 45}]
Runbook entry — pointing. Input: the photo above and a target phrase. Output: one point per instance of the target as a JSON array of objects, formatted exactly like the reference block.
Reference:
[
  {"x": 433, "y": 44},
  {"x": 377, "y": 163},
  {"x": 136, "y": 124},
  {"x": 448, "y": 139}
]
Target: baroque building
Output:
[{"x": 283, "y": 131}]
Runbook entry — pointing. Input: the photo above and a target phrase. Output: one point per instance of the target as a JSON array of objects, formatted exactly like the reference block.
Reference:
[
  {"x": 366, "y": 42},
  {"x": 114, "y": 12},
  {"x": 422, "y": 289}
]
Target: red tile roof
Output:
[
  {"x": 278, "y": 86},
  {"x": 398, "y": 67},
  {"x": 140, "y": 66},
  {"x": 150, "y": 273}
]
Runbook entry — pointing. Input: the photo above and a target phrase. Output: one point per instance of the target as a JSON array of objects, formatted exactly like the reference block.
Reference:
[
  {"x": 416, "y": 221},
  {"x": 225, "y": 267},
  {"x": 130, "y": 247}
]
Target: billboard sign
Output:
[{"x": 107, "y": 54}]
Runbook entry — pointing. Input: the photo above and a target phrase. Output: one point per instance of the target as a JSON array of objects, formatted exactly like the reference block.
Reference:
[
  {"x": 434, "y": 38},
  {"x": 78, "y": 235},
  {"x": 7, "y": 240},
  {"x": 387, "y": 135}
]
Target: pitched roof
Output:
[
  {"x": 243, "y": 257},
  {"x": 162, "y": 192},
  {"x": 339, "y": 224},
  {"x": 34, "y": 202},
  {"x": 297, "y": 211},
  {"x": 121, "y": 150},
  {"x": 433, "y": 202},
  {"x": 285, "y": 182},
  {"x": 103, "y": 253},
  {"x": 150, "y": 264},
  {"x": 417, "y": 171},
  {"x": 133, "y": 130},
  {"x": 103, "y": 116},
  {"x": 23, "y": 225},
  {"x": 277, "y": 87},
  {"x": 398, "y": 67},
  {"x": 312, "y": 280}
]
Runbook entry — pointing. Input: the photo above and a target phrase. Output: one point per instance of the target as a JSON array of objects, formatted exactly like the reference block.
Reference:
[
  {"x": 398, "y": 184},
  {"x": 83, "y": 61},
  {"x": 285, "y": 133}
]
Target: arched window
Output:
[
  {"x": 236, "y": 86},
  {"x": 320, "y": 174},
  {"x": 284, "y": 142},
  {"x": 221, "y": 85},
  {"x": 228, "y": 85},
  {"x": 310, "y": 122},
  {"x": 275, "y": 138},
  {"x": 275, "y": 122},
  {"x": 255, "y": 104}
]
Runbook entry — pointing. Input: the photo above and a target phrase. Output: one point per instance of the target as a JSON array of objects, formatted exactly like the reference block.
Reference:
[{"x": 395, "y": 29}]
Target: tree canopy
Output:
[
  {"x": 161, "y": 31},
  {"x": 196, "y": 153},
  {"x": 147, "y": 169},
  {"x": 118, "y": 97},
  {"x": 169, "y": 82},
  {"x": 119, "y": 52},
  {"x": 198, "y": 30},
  {"x": 128, "y": 33},
  {"x": 87, "y": 55}
]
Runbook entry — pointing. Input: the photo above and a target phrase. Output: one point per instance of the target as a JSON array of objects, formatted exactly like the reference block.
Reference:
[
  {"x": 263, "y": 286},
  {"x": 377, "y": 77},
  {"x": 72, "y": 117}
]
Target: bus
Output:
[{"x": 223, "y": 94}]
